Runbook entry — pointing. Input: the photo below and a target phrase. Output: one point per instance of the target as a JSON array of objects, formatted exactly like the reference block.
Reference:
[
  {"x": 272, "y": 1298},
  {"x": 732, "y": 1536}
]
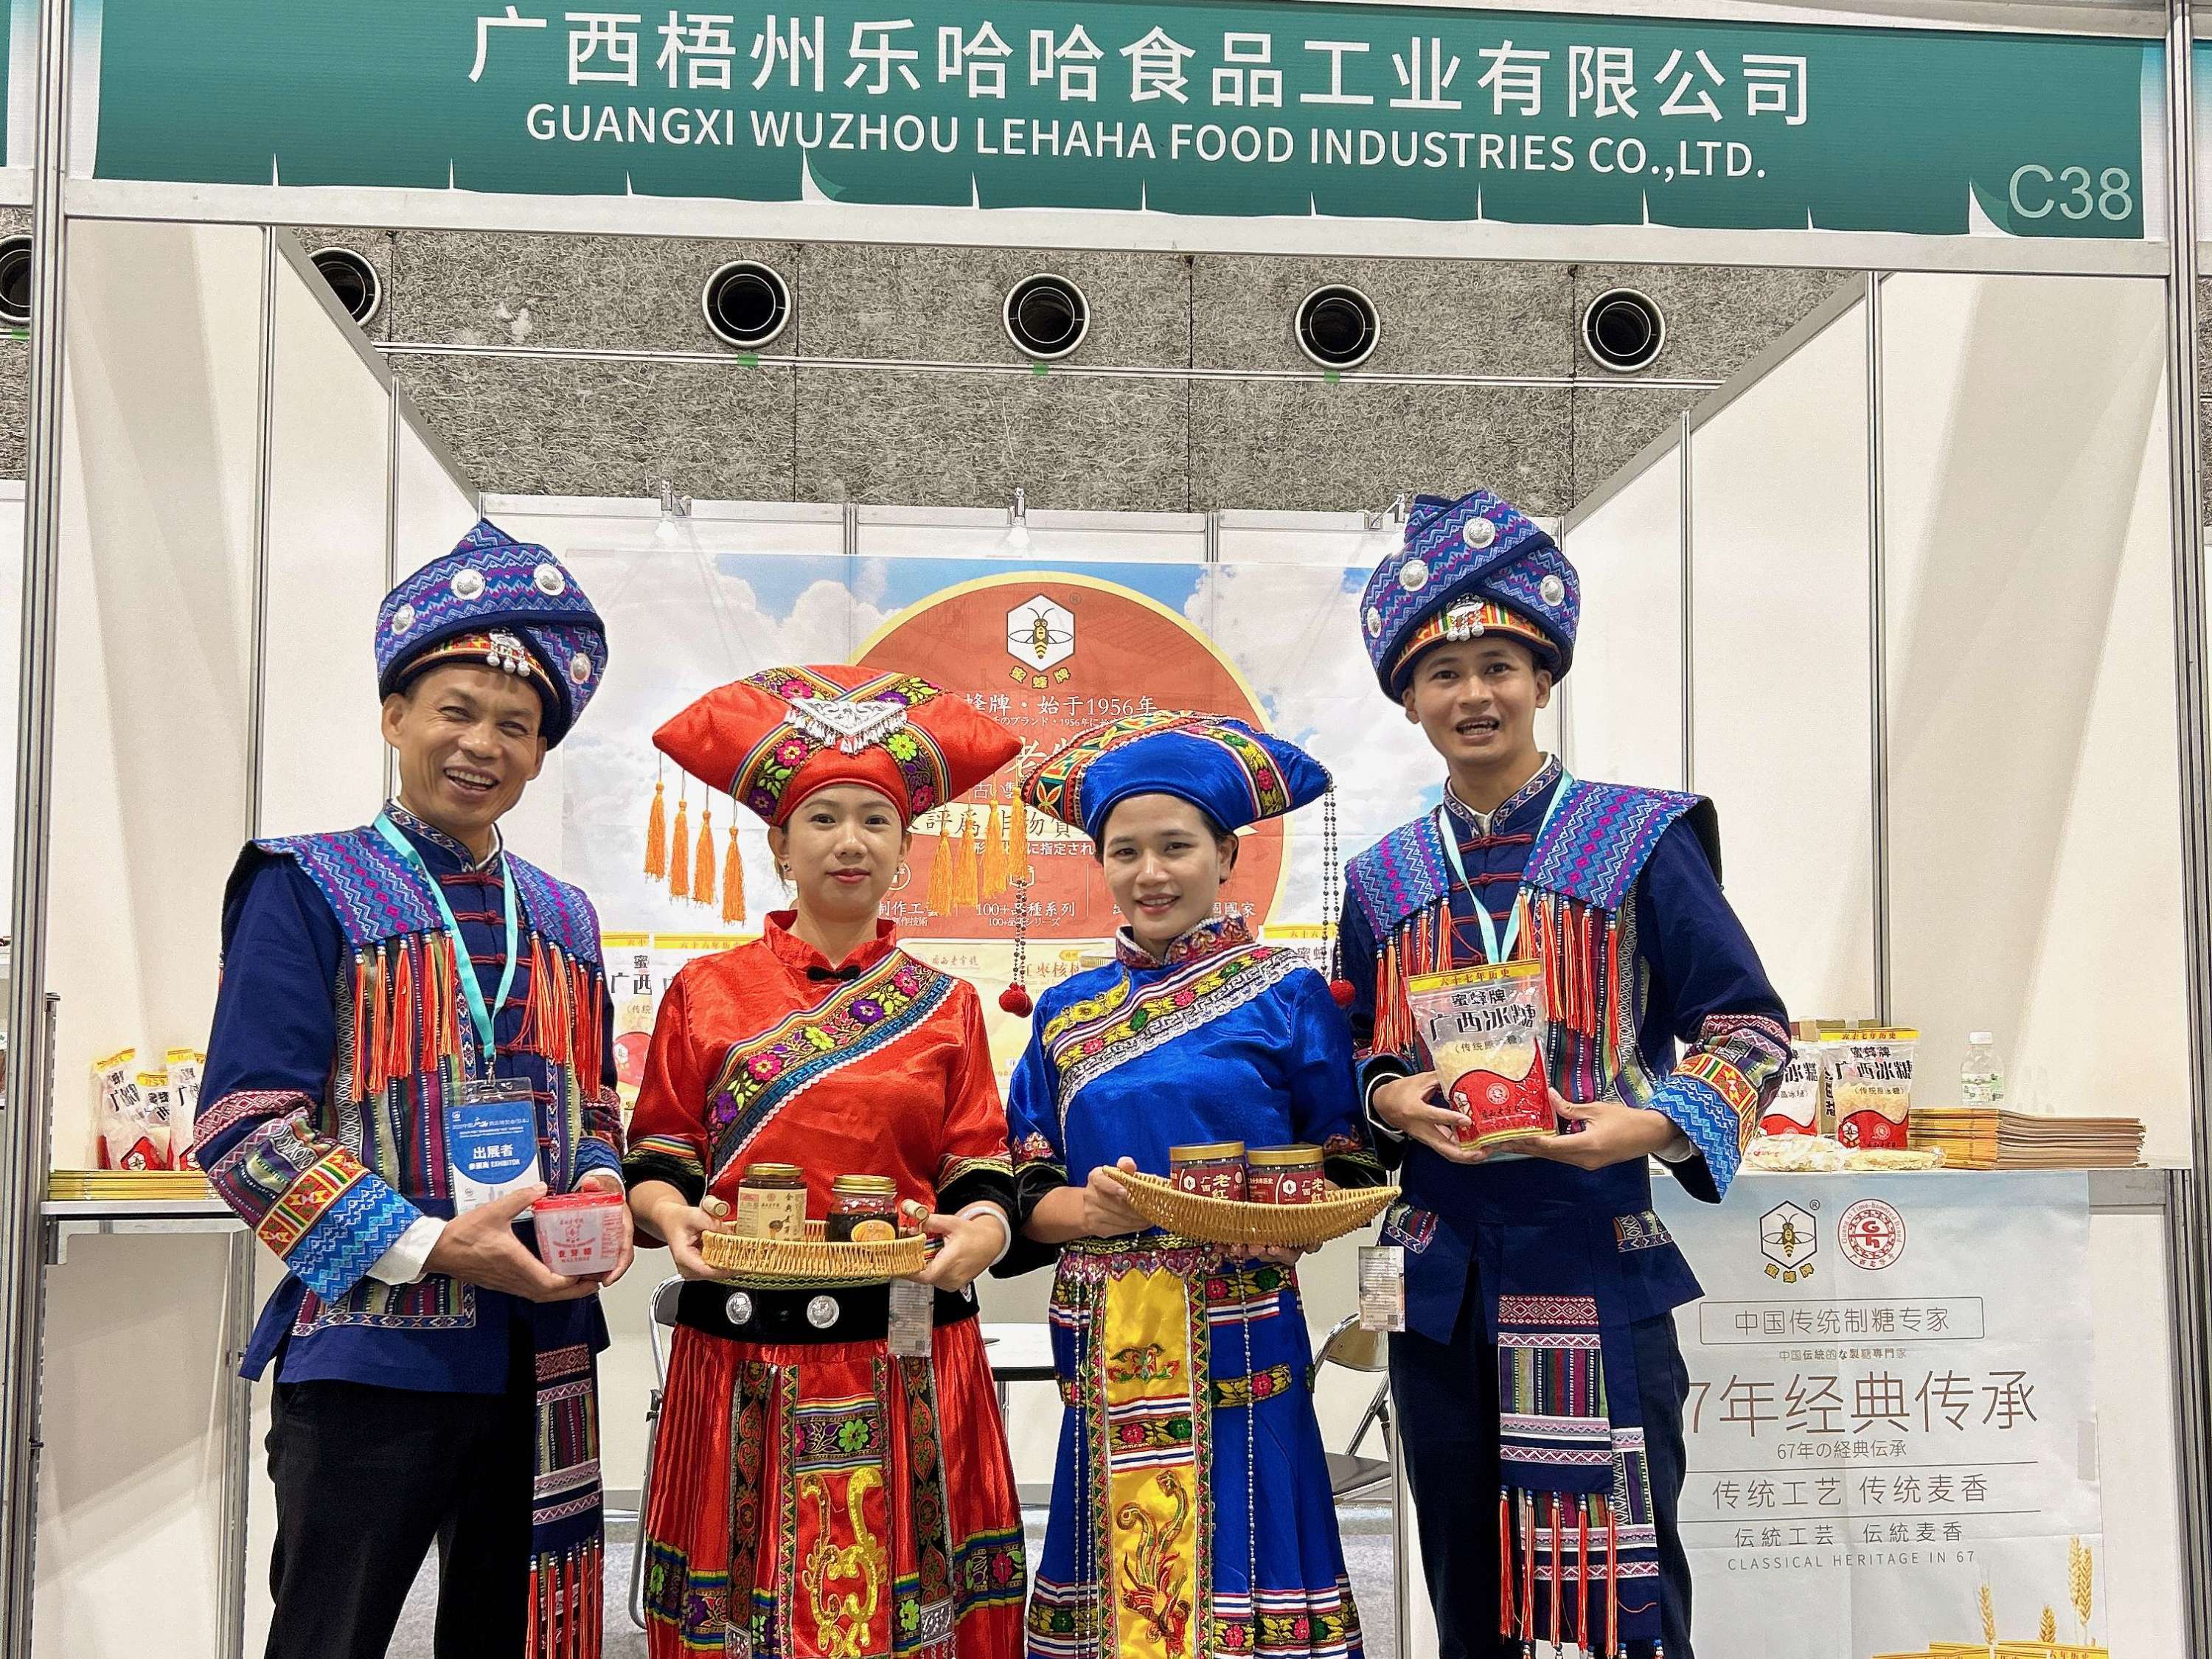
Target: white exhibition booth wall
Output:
[
  {"x": 2032, "y": 812},
  {"x": 155, "y": 779},
  {"x": 2033, "y": 815}
]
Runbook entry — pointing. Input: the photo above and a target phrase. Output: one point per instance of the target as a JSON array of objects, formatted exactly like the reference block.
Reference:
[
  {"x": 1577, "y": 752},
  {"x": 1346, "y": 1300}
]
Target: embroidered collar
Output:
[
  {"x": 437, "y": 838},
  {"x": 1206, "y": 939},
  {"x": 1500, "y": 820},
  {"x": 797, "y": 954}
]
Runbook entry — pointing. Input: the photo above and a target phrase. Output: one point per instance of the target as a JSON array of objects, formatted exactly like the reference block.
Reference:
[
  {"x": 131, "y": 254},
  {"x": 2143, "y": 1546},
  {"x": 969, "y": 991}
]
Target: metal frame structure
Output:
[{"x": 30, "y": 1232}]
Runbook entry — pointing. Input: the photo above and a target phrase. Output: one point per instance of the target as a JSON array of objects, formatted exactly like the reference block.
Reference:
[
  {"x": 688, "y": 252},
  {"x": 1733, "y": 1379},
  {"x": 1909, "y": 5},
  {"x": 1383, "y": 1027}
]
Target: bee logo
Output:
[
  {"x": 1789, "y": 1240},
  {"x": 1039, "y": 638}
]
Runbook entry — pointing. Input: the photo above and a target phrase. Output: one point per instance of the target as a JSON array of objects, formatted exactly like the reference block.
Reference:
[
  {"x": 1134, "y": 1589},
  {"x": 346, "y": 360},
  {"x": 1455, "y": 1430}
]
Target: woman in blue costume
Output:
[{"x": 1191, "y": 1511}]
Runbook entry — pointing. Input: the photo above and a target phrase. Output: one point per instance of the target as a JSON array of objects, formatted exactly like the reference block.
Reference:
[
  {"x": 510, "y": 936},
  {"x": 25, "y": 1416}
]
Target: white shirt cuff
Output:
[
  {"x": 1680, "y": 1150},
  {"x": 1005, "y": 1227},
  {"x": 409, "y": 1254}
]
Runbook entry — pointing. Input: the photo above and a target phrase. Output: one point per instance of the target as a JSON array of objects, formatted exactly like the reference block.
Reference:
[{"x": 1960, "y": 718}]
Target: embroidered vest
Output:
[
  {"x": 1575, "y": 895},
  {"x": 401, "y": 1054}
]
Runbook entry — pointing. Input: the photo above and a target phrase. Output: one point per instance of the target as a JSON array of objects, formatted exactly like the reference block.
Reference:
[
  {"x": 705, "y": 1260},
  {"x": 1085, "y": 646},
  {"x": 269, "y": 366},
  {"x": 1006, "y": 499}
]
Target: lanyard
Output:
[
  {"x": 478, "y": 1013},
  {"x": 1492, "y": 948}
]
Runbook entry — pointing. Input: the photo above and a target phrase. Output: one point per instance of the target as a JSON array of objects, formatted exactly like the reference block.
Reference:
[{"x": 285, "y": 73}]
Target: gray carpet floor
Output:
[{"x": 1366, "y": 1529}]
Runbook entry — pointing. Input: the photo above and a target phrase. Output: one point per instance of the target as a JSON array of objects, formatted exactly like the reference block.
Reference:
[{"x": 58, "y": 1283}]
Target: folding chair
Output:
[
  {"x": 664, "y": 1317},
  {"x": 1351, "y": 1475}
]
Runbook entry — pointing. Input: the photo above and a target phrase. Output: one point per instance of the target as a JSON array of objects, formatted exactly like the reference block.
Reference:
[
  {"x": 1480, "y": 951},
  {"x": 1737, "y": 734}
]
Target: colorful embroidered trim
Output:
[
  {"x": 761, "y": 1075},
  {"x": 1179, "y": 1001},
  {"x": 765, "y": 773}
]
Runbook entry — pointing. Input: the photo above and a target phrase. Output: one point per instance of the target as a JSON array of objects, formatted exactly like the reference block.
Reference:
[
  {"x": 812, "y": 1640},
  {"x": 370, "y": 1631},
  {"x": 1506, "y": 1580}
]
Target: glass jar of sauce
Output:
[
  {"x": 863, "y": 1210},
  {"x": 1213, "y": 1169},
  {"x": 772, "y": 1203},
  {"x": 1285, "y": 1175}
]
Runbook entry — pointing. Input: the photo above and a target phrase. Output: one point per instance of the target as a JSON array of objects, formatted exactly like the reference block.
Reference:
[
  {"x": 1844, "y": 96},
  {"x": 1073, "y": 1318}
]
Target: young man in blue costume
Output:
[
  {"x": 1539, "y": 1379},
  {"x": 411, "y": 1043}
]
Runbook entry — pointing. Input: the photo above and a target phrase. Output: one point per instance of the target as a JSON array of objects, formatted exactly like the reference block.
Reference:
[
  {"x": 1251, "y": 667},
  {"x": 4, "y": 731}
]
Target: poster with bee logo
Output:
[
  {"x": 1891, "y": 1421},
  {"x": 1050, "y": 648}
]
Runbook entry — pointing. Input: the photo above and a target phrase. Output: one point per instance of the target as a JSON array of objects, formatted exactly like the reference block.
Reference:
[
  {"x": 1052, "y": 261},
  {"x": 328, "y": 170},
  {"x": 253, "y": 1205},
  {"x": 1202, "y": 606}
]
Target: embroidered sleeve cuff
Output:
[
  {"x": 661, "y": 1157},
  {"x": 353, "y": 1232},
  {"x": 1709, "y": 1124},
  {"x": 409, "y": 1258}
]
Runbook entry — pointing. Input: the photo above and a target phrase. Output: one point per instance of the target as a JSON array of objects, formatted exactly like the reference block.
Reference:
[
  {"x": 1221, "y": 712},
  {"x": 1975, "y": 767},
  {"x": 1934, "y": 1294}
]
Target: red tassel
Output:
[
  {"x": 1527, "y": 1530},
  {"x": 361, "y": 1026},
  {"x": 1343, "y": 991},
  {"x": 537, "y": 1005},
  {"x": 537, "y": 1613},
  {"x": 1611, "y": 1585},
  {"x": 1505, "y": 1564},
  {"x": 380, "y": 1033},
  {"x": 1016, "y": 1001},
  {"x": 399, "y": 1058},
  {"x": 1582, "y": 1575},
  {"x": 1558, "y": 1578}
]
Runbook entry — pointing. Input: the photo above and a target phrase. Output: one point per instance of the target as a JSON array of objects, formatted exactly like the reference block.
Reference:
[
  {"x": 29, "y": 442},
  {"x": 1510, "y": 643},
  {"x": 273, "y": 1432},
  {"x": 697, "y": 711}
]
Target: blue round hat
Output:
[
  {"x": 504, "y": 603},
  {"x": 1233, "y": 773},
  {"x": 1467, "y": 568}
]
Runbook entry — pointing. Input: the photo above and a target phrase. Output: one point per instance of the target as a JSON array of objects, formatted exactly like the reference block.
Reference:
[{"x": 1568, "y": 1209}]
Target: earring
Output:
[{"x": 900, "y": 880}]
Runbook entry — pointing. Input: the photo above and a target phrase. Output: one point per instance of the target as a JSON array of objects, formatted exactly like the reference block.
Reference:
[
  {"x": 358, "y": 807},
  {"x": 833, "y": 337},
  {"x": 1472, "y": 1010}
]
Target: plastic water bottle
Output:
[{"x": 1981, "y": 1077}]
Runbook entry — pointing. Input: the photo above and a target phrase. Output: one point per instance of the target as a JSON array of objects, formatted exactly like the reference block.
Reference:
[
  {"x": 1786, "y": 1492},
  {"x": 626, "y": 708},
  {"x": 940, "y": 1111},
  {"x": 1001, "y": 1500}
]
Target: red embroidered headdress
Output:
[{"x": 775, "y": 738}]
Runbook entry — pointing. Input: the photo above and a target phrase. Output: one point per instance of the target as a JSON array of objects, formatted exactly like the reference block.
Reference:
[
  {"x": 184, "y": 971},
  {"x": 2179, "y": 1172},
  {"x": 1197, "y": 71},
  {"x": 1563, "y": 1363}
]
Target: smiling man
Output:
[
  {"x": 1539, "y": 1380},
  {"x": 411, "y": 1046}
]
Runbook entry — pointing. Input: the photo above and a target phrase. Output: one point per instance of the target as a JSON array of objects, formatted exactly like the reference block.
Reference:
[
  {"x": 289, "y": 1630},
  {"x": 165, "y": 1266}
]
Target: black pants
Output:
[
  {"x": 368, "y": 1479},
  {"x": 1447, "y": 1400}
]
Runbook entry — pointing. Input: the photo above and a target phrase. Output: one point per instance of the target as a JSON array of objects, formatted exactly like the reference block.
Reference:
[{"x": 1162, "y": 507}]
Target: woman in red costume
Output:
[{"x": 815, "y": 1496}]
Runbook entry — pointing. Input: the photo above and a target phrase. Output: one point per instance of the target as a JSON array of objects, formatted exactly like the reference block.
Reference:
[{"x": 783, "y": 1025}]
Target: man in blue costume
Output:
[
  {"x": 1540, "y": 1357},
  {"x": 412, "y": 1043}
]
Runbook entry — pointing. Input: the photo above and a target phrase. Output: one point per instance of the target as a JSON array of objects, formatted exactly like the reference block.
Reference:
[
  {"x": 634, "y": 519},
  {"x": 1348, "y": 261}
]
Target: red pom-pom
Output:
[
  {"x": 1016, "y": 1001},
  {"x": 1343, "y": 991}
]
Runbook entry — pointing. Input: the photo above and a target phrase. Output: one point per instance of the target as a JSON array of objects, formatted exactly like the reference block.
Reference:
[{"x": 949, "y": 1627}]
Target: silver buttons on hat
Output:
[
  {"x": 822, "y": 1312},
  {"x": 739, "y": 1308},
  {"x": 1463, "y": 621},
  {"x": 579, "y": 668},
  {"x": 1374, "y": 624},
  {"x": 1478, "y": 532},
  {"x": 403, "y": 619},
  {"x": 1414, "y": 576},
  {"x": 549, "y": 580},
  {"x": 1553, "y": 591},
  {"x": 468, "y": 584}
]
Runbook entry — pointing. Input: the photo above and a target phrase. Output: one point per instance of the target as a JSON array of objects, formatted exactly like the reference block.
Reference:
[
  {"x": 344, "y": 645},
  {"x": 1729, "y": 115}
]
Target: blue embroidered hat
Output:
[
  {"x": 1233, "y": 773},
  {"x": 1470, "y": 566},
  {"x": 506, "y": 604}
]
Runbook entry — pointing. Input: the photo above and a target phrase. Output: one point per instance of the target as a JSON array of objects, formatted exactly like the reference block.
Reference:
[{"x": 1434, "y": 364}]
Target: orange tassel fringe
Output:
[
  {"x": 679, "y": 850},
  {"x": 733, "y": 881},
  {"x": 656, "y": 833},
  {"x": 702, "y": 861}
]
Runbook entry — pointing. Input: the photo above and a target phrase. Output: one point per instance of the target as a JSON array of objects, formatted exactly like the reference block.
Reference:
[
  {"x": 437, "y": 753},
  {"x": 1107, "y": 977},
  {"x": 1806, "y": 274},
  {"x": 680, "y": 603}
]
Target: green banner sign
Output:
[{"x": 1266, "y": 108}]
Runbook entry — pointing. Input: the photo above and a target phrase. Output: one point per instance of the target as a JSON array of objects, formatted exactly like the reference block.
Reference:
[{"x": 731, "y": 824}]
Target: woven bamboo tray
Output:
[
  {"x": 1233, "y": 1221},
  {"x": 813, "y": 1261}
]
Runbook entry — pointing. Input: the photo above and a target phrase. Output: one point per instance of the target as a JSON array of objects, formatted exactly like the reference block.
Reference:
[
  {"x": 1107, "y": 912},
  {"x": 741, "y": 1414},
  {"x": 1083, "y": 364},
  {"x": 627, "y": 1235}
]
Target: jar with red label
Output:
[
  {"x": 863, "y": 1210},
  {"x": 1285, "y": 1175},
  {"x": 1213, "y": 1170}
]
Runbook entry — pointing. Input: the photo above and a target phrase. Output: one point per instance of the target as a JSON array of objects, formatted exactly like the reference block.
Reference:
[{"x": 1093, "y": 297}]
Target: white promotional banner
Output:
[{"x": 1892, "y": 1432}]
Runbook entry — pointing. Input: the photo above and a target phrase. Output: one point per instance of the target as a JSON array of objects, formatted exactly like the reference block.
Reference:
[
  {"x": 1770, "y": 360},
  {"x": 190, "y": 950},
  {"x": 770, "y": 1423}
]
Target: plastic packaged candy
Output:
[
  {"x": 1796, "y": 1107},
  {"x": 580, "y": 1234},
  {"x": 1483, "y": 1027},
  {"x": 1870, "y": 1081}
]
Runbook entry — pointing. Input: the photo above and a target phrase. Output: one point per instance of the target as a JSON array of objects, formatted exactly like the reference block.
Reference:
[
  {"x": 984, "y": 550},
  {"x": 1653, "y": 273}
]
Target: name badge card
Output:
[{"x": 491, "y": 1141}]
